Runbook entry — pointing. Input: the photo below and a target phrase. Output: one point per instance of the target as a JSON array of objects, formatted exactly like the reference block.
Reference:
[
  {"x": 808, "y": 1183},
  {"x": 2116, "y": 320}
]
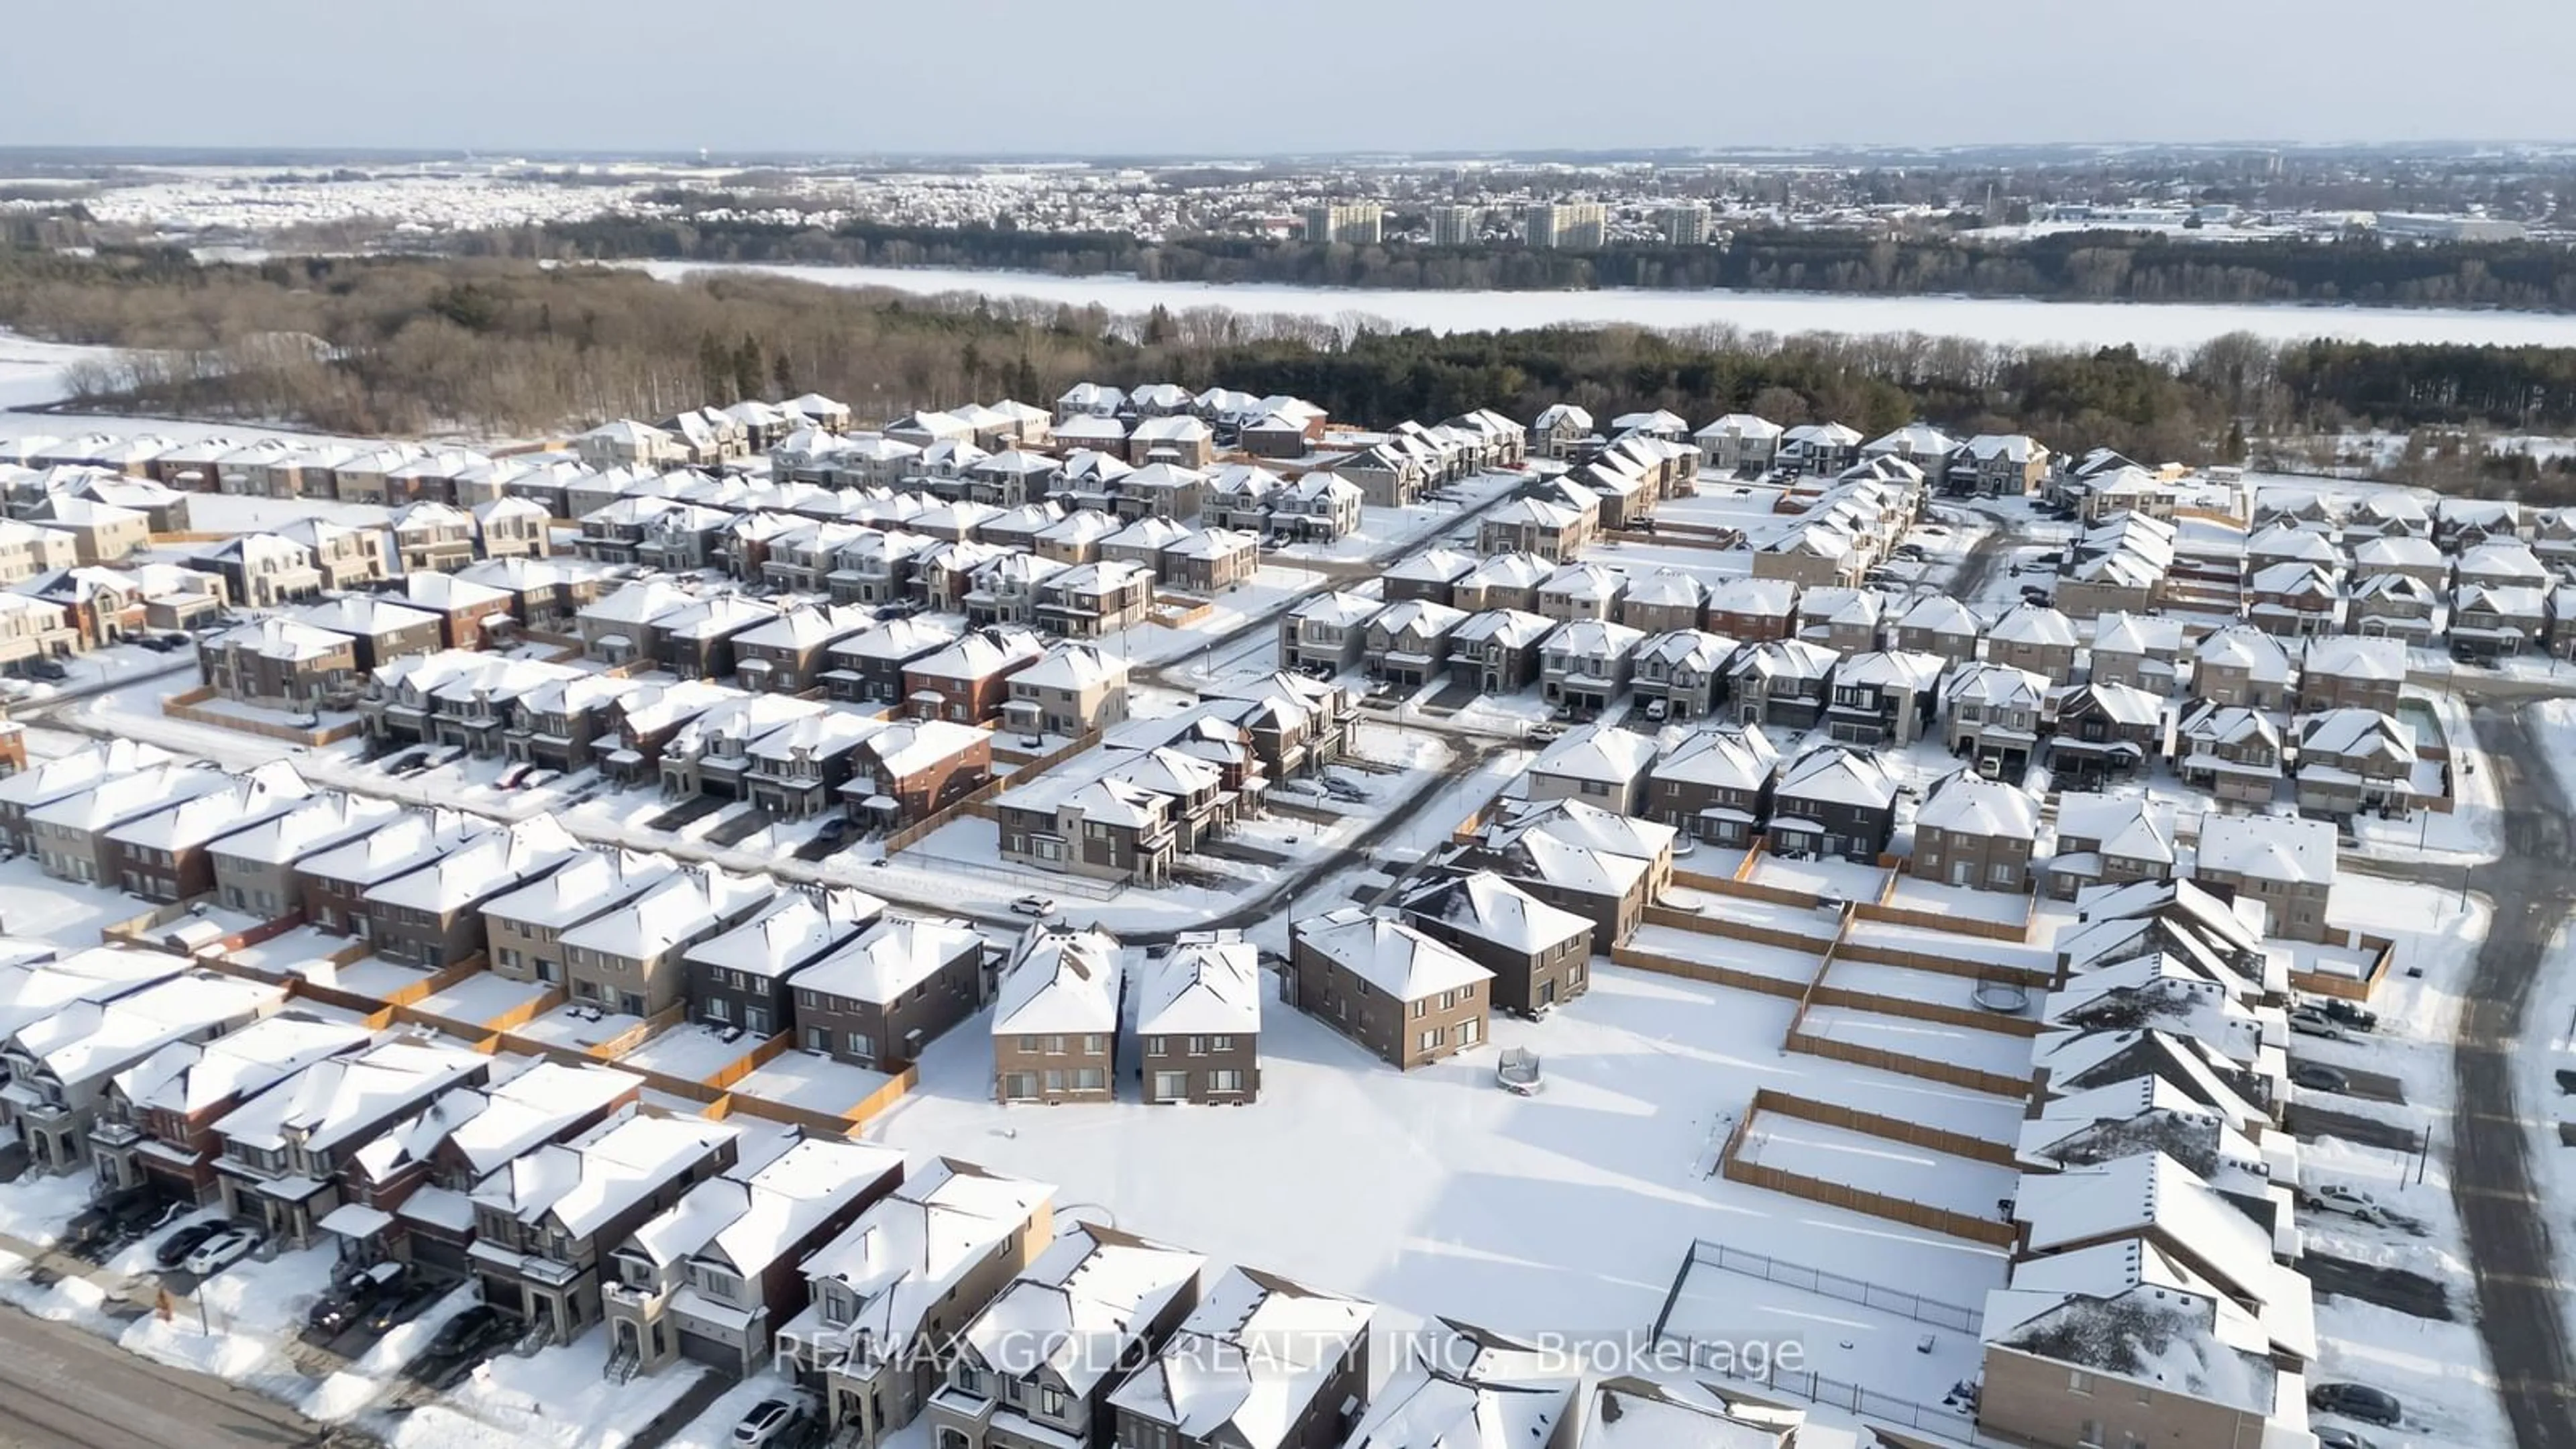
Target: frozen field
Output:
[
  {"x": 1435, "y": 1192},
  {"x": 2003, "y": 320}
]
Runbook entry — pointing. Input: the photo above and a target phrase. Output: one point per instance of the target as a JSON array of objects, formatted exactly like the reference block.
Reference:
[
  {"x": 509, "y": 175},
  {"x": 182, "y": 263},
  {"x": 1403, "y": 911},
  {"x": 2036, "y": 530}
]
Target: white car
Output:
[
  {"x": 2352, "y": 1202},
  {"x": 770, "y": 1419},
  {"x": 221, "y": 1251},
  {"x": 1033, "y": 906}
]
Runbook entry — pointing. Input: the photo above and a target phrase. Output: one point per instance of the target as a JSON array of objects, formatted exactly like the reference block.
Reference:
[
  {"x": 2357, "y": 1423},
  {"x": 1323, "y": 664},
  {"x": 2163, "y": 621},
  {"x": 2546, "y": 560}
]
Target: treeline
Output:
[
  {"x": 509, "y": 348},
  {"x": 2126, "y": 267}
]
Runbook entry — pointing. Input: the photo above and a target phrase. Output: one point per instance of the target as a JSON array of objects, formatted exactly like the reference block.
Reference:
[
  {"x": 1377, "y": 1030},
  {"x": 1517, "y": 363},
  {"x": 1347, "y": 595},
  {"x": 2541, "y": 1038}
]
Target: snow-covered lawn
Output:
[
  {"x": 693, "y": 1051},
  {"x": 1779, "y": 963},
  {"x": 1876, "y": 1164},
  {"x": 1912, "y": 893},
  {"x": 1928, "y": 1041},
  {"x": 33, "y": 904},
  {"x": 1882, "y": 1350},
  {"x": 556, "y": 1396},
  {"x": 811, "y": 1081},
  {"x": 2473, "y": 829},
  {"x": 1436, "y": 1192},
  {"x": 482, "y": 997},
  {"x": 1829, "y": 877}
]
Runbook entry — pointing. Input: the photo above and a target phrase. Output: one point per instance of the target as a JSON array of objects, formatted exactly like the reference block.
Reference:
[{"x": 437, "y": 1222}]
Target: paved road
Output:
[
  {"x": 2508, "y": 1236},
  {"x": 62, "y": 1388}
]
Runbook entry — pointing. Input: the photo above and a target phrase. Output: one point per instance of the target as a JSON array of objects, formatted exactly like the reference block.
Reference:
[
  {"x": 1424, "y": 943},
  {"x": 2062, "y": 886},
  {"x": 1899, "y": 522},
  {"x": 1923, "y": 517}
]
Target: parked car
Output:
[
  {"x": 157, "y": 643},
  {"x": 50, "y": 670},
  {"x": 1543, "y": 734},
  {"x": 1657, "y": 709},
  {"x": 175, "y": 1248},
  {"x": 471, "y": 1332},
  {"x": 2358, "y": 1018},
  {"x": 2335, "y": 1436},
  {"x": 117, "y": 1215},
  {"x": 835, "y": 828},
  {"x": 400, "y": 1308},
  {"x": 2318, "y": 1077},
  {"x": 516, "y": 775},
  {"x": 539, "y": 779},
  {"x": 2312, "y": 1021},
  {"x": 1344, "y": 791},
  {"x": 221, "y": 1251},
  {"x": 767, "y": 1422},
  {"x": 2357, "y": 1401},
  {"x": 2343, "y": 1197},
  {"x": 1033, "y": 906}
]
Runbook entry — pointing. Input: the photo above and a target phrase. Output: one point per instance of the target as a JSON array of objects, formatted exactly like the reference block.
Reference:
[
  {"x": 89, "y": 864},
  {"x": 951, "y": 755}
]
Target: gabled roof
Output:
[
  {"x": 1394, "y": 958},
  {"x": 1247, "y": 1363},
  {"x": 750, "y": 1218},
  {"x": 2269, "y": 847},
  {"x": 890, "y": 958},
  {"x": 1838, "y": 774},
  {"x": 1488, "y": 907},
  {"x": 1968, "y": 804},
  {"x": 1081, "y": 1305},
  {"x": 1059, "y": 981},
  {"x": 1203, "y": 986},
  {"x": 1598, "y": 753}
]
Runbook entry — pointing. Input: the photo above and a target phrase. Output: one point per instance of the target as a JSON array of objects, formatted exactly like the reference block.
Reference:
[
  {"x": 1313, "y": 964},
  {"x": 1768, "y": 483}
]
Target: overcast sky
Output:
[{"x": 985, "y": 76}]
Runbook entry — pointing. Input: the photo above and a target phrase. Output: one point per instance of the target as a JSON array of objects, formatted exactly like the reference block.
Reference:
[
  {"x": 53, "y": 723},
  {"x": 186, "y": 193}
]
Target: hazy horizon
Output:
[{"x": 1332, "y": 77}]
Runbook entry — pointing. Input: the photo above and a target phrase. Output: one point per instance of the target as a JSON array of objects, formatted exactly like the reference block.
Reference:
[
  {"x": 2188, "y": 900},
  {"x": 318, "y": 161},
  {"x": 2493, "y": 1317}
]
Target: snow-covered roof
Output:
[
  {"x": 2035, "y": 624},
  {"x": 188, "y": 1078},
  {"x": 1597, "y": 752},
  {"x": 890, "y": 958},
  {"x": 906, "y": 1253},
  {"x": 2242, "y": 646},
  {"x": 2144, "y": 634},
  {"x": 2354, "y": 656},
  {"x": 1246, "y": 1364},
  {"x": 482, "y": 867},
  {"x": 2281, "y": 848},
  {"x": 1891, "y": 669},
  {"x": 590, "y": 883},
  {"x": 1203, "y": 986},
  {"x": 2124, "y": 824},
  {"x": 584, "y": 1188},
  {"x": 1841, "y": 775},
  {"x": 1084, "y": 1301},
  {"x": 1968, "y": 804},
  {"x": 1391, "y": 957},
  {"x": 1059, "y": 981},
  {"x": 749, "y": 1218},
  {"x": 1484, "y": 905},
  {"x": 338, "y": 1096}
]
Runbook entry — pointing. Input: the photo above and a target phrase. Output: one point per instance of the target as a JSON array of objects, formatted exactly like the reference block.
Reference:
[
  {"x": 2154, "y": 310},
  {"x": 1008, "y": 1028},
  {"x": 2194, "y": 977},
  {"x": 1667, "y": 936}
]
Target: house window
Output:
[
  {"x": 719, "y": 1010},
  {"x": 1198, "y": 1046},
  {"x": 1168, "y": 1085},
  {"x": 1054, "y": 1080},
  {"x": 861, "y": 1047},
  {"x": 1095, "y": 1044},
  {"x": 1055, "y": 1046},
  {"x": 1470, "y": 1032},
  {"x": 1051, "y": 1402},
  {"x": 1225, "y": 1079},
  {"x": 2080, "y": 1382},
  {"x": 1220, "y": 1043}
]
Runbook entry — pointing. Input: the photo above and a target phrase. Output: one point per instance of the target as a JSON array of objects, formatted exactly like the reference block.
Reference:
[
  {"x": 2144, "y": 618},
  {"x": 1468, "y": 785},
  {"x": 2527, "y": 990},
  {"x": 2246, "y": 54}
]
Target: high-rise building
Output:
[
  {"x": 1354, "y": 223},
  {"x": 1456, "y": 226},
  {"x": 1580, "y": 225},
  {"x": 1686, "y": 226}
]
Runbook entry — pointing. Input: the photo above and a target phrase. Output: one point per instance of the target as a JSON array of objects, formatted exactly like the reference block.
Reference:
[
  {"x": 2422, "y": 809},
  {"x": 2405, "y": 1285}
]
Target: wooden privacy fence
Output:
[
  {"x": 1877, "y": 1124},
  {"x": 1877, "y": 953},
  {"x": 189, "y": 707},
  {"x": 1725, "y": 925},
  {"x": 1710, "y": 972},
  {"x": 1966, "y": 1017},
  {"x": 1990, "y": 1231},
  {"x": 1948, "y": 1074}
]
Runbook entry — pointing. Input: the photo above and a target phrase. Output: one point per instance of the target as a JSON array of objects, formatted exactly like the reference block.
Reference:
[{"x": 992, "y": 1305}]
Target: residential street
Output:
[
  {"x": 2518, "y": 1296},
  {"x": 64, "y": 1388}
]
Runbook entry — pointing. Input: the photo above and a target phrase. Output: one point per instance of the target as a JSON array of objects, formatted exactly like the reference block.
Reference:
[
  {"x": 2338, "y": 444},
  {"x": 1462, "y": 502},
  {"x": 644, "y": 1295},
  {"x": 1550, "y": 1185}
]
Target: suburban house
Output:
[
  {"x": 1399, "y": 994},
  {"x": 465, "y": 610},
  {"x": 277, "y": 661},
  {"x": 1327, "y": 632},
  {"x": 546, "y": 1223},
  {"x": 2231, "y": 751},
  {"x": 284, "y": 1150},
  {"x": 2351, "y": 672},
  {"x": 1407, "y": 643},
  {"x": 967, "y": 681},
  {"x": 1582, "y": 591},
  {"x": 1715, "y": 784},
  {"x": 1074, "y": 690},
  {"x": 1198, "y": 1021},
  {"x": 1501, "y": 581},
  {"x": 1260, "y": 1361},
  {"x": 1835, "y": 800},
  {"x": 1681, "y": 674},
  {"x": 70, "y": 833},
  {"x": 1600, "y": 765},
  {"x": 1594, "y": 862},
  {"x": 713, "y": 1277},
  {"x": 1539, "y": 954},
  {"x": 1939, "y": 625},
  {"x": 156, "y": 1129},
  {"x": 433, "y": 916},
  {"x": 523, "y": 929},
  {"x": 2242, "y": 665},
  {"x": 2108, "y": 840},
  {"x": 868, "y": 667},
  {"x": 1977, "y": 833},
  {"x": 1471, "y": 1388},
  {"x": 331, "y": 884},
  {"x": 2394, "y": 606},
  {"x": 628, "y": 958},
  {"x": 2036, "y": 638},
  {"x": 740, "y": 978},
  {"x": 887, "y": 1295},
  {"x": 254, "y": 868},
  {"x": 1585, "y": 664},
  {"x": 2102, "y": 731},
  {"x": 1780, "y": 683},
  {"x": 2353, "y": 759},
  {"x": 1056, "y": 1018},
  {"x": 2142, "y": 651},
  {"x": 1499, "y": 650},
  {"x": 168, "y": 855},
  {"x": 789, "y": 653},
  {"x": 1104, "y": 1303},
  {"x": 1998, "y": 465},
  {"x": 1993, "y": 717},
  {"x": 1883, "y": 697},
  {"x": 877, "y": 999},
  {"x": 2284, "y": 862},
  {"x": 1094, "y": 600},
  {"x": 1753, "y": 609},
  {"x": 1432, "y": 574},
  {"x": 106, "y": 1016}
]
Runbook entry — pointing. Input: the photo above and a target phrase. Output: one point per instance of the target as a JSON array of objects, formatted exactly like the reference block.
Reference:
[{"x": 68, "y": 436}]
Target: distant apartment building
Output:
[
  {"x": 1456, "y": 226},
  {"x": 1352, "y": 223},
  {"x": 1685, "y": 226},
  {"x": 1578, "y": 225}
]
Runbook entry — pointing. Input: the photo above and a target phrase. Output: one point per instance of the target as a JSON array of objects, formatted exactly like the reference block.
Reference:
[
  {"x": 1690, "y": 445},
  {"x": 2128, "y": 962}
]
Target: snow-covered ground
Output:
[
  {"x": 2473, "y": 829},
  {"x": 2178, "y": 326},
  {"x": 1435, "y": 1192}
]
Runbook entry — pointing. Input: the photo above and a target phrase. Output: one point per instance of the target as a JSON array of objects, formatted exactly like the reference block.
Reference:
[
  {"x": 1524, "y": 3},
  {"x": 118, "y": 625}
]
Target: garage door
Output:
[{"x": 698, "y": 1348}]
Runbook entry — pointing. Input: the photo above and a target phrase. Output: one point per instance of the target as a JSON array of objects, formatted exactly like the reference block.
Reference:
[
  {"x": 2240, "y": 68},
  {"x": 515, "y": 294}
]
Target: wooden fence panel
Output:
[
  {"x": 1948, "y": 1074},
  {"x": 1709, "y": 972}
]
